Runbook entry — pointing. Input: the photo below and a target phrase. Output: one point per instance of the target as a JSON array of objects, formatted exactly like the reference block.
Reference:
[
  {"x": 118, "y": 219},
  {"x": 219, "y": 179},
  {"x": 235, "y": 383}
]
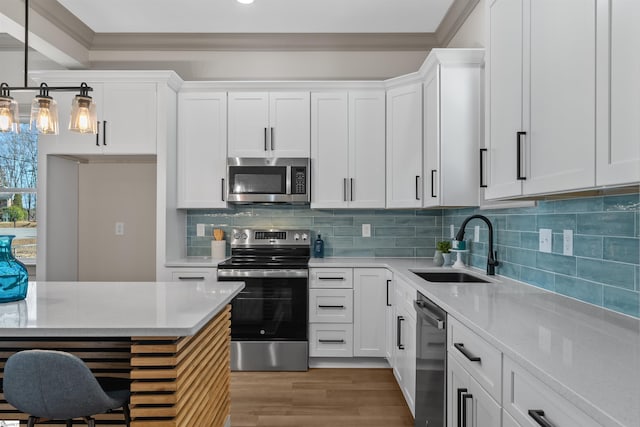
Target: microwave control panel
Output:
[{"x": 299, "y": 180}]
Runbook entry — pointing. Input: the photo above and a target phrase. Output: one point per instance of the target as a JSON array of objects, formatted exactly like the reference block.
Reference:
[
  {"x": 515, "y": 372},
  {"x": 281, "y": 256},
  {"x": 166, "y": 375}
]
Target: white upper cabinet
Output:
[
  {"x": 618, "y": 146},
  {"x": 127, "y": 119},
  {"x": 452, "y": 127},
  {"x": 404, "y": 146},
  {"x": 348, "y": 149},
  {"x": 541, "y": 96},
  {"x": 202, "y": 149},
  {"x": 269, "y": 124}
]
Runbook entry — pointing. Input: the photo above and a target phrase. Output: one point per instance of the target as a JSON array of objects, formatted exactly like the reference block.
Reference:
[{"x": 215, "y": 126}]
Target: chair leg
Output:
[
  {"x": 90, "y": 421},
  {"x": 31, "y": 422},
  {"x": 127, "y": 414},
  {"x": 69, "y": 423}
]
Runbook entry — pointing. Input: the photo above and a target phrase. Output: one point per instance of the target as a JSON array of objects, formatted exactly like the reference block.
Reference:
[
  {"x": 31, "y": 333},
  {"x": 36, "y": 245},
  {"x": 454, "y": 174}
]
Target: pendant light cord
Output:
[{"x": 26, "y": 41}]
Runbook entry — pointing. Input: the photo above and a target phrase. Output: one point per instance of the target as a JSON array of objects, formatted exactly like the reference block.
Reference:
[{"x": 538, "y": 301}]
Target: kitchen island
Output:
[{"x": 171, "y": 340}]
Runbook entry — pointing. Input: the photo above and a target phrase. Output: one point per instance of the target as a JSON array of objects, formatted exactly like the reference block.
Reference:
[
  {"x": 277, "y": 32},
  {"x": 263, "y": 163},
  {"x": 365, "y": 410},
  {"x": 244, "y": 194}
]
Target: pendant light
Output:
[{"x": 44, "y": 110}]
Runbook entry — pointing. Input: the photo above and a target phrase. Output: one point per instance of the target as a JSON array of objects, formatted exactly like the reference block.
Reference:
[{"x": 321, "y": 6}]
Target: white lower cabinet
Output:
[
  {"x": 404, "y": 352},
  {"x": 468, "y": 404},
  {"x": 331, "y": 340},
  {"x": 331, "y": 305},
  {"x": 193, "y": 274},
  {"x": 532, "y": 403},
  {"x": 370, "y": 297},
  {"x": 508, "y": 421}
]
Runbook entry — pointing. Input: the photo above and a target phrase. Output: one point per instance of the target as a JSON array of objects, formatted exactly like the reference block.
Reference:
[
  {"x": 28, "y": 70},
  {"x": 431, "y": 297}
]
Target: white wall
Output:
[
  {"x": 110, "y": 193},
  {"x": 472, "y": 32}
]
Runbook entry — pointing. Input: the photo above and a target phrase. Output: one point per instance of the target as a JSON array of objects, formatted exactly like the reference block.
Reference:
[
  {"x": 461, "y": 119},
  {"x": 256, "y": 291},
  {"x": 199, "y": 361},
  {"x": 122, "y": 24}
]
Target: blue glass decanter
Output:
[{"x": 14, "y": 278}]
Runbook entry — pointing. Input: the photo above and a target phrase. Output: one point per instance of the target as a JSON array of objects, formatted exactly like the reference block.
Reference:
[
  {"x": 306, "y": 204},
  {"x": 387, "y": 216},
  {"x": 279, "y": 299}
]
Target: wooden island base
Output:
[{"x": 175, "y": 381}]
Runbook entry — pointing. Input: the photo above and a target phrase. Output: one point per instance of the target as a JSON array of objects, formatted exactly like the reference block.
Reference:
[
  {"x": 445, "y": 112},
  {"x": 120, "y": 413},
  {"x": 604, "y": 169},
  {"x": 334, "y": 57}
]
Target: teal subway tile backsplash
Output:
[{"x": 603, "y": 270}]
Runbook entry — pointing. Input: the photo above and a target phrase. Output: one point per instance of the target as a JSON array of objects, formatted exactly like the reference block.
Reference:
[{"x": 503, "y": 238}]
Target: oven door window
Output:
[
  {"x": 270, "y": 309},
  {"x": 258, "y": 179}
]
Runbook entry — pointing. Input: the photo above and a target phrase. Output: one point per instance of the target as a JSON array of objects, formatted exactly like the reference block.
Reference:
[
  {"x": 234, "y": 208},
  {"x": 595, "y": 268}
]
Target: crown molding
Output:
[
  {"x": 453, "y": 20},
  {"x": 264, "y": 42}
]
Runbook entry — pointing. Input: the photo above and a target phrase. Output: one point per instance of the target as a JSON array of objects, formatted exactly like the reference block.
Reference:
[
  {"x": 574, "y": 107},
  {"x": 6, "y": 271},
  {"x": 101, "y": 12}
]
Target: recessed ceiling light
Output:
[{"x": 245, "y": 1}]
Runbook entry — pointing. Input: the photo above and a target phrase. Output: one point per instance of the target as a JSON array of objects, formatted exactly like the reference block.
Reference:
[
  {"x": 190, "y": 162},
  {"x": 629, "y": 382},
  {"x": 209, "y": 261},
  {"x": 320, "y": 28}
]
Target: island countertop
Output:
[{"x": 115, "y": 309}]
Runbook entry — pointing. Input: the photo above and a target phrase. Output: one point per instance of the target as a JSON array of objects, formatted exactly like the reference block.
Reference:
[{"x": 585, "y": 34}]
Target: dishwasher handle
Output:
[{"x": 432, "y": 318}]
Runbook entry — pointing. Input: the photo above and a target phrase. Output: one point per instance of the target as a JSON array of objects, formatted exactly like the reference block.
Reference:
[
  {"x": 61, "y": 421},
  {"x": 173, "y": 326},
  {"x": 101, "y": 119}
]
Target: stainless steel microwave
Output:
[{"x": 268, "y": 180}]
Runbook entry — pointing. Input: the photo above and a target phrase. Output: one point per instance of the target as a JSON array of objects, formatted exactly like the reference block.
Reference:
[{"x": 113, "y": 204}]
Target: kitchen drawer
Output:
[
  {"x": 523, "y": 392},
  {"x": 193, "y": 275},
  {"x": 330, "y": 340},
  {"x": 331, "y": 305},
  {"x": 331, "y": 278},
  {"x": 478, "y": 357}
]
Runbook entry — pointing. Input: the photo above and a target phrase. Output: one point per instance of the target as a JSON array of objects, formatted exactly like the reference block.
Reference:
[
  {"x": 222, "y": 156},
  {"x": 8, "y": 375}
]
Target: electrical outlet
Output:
[
  {"x": 200, "y": 230},
  {"x": 567, "y": 242},
  {"x": 366, "y": 230},
  {"x": 476, "y": 233},
  {"x": 545, "y": 240},
  {"x": 451, "y": 231},
  {"x": 119, "y": 228}
]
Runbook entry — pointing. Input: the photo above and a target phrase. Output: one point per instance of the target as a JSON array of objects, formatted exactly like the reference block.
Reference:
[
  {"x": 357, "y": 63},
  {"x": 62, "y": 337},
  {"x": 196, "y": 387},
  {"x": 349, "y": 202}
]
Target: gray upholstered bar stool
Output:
[{"x": 55, "y": 385}]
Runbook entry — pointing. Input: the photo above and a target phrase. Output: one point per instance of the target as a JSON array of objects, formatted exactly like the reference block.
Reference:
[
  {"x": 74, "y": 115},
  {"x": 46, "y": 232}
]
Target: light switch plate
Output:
[
  {"x": 545, "y": 239},
  {"x": 567, "y": 242},
  {"x": 200, "y": 230},
  {"x": 119, "y": 228},
  {"x": 366, "y": 230}
]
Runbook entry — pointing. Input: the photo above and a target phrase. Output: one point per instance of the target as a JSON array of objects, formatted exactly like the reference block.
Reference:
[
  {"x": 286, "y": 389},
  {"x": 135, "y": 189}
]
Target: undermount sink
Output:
[{"x": 449, "y": 277}]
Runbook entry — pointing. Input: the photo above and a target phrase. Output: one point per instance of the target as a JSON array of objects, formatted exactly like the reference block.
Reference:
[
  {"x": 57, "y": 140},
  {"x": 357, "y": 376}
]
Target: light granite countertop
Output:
[
  {"x": 587, "y": 354},
  {"x": 115, "y": 309}
]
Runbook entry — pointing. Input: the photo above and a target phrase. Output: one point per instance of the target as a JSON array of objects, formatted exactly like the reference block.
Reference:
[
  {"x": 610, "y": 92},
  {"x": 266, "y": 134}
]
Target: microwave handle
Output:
[
  {"x": 223, "y": 190},
  {"x": 288, "y": 183}
]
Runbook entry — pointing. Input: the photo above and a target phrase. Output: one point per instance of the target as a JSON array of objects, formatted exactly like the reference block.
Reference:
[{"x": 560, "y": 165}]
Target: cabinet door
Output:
[
  {"x": 248, "y": 124},
  {"x": 370, "y": 299},
  {"x": 404, "y": 366},
  {"x": 404, "y": 146},
  {"x": 130, "y": 112},
  {"x": 202, "y": 150},
  {"x": 560, "y": 140},
  {"x": 329, "y": 158},
  {"x": 366, "y": 149},
  {"x": 390, "y": 331},
  {"x": 290, "y": 124},
  {"x": 504, "y": 74},
  {"x": 431, "y": 161},
  {"x": 618, "y": 147}
]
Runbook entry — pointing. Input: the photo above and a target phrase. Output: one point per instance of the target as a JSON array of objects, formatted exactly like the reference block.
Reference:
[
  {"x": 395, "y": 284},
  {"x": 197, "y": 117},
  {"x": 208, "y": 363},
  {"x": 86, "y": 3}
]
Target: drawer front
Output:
[
  {"x": 331, "y": 278},
  {"x": 404, "y": 294},
  {"x": 331, "y": 305},
  {"x": 193, "y": 276},
  {"x": 523, "y": 392},
  {"x": 478, "y": 357},
  {"x": 330, "y": 340}
]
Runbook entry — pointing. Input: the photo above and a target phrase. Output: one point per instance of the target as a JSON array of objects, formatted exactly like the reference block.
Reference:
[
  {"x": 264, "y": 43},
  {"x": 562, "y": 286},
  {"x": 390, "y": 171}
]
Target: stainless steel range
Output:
[{"x": 269, "y": 318}]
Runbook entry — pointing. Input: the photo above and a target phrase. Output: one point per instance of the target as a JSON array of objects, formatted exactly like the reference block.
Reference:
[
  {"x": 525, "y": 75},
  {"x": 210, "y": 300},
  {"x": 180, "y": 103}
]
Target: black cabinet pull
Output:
[
  {"x": 399, "y": 344},
  {"x": 351, "y": 189},
  {"x": 417, "y": 193},
  {"x": 190, "y": 277},
  {"x": 433, "y": 182},
  {"x": 331, "y": 341},
  {"x": 272, "y": 143},
  {"x": 223, "y": 189},
  {"x": 330, "y": 278},
  {"x": 104, "y": 132},
  {"x": 465, "y": 396},
  {"x": 330, "y": 306},
  {"x": 465, "y": 352},
  {"x": 461, "y": 391},
  {"x": 482, "y": 183},
  {"x": 98, "y": 134},
  {"x": 519, "y": 175},
  {"x": 388, "y": 281},
  {"x": 344, "y": 189},
  {"x": 538, "y": 417},
  {"x": 265, "y": 139}
]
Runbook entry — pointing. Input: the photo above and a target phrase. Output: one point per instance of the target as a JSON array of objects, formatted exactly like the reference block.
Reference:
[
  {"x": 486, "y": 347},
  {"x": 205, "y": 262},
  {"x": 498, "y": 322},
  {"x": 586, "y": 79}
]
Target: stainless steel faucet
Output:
[{"x": 492, "y": 262}]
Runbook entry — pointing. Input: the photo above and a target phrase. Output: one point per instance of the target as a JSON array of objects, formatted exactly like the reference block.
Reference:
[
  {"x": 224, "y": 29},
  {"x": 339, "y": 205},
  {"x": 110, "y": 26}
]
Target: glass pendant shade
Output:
[
  {"x": 9, "y": 116},
  {"x": 83, "y": 115},
  {"x": 44, "y": 115}
]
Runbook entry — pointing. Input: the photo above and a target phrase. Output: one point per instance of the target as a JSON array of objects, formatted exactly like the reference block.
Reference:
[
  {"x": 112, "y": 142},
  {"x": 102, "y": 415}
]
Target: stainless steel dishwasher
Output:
[{"x": 431, "y": 364}]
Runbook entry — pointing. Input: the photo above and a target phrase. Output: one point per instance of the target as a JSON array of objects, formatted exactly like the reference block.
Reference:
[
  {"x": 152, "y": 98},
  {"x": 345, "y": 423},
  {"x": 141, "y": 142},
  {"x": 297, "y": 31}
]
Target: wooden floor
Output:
[{"x": 317, "y": 398}]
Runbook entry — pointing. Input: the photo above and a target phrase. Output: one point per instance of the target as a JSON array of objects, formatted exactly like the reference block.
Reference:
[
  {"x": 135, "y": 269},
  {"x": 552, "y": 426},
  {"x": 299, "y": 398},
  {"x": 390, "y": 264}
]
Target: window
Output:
[{"x": 18, "y": 177}]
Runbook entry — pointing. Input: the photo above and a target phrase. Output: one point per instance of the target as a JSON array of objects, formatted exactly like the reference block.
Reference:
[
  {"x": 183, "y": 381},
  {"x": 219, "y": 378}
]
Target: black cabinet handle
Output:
[
  {"x": 417, "y": 193},
  {"x": 98, "y": 134},
  {"x": 538, "y": 417},
  {"x": 388, "y": 281},
  {"x": 191, "y": 278},
  {"x": 330, "y": 306},
  {"x": 104, "y": 132},
  {"x": 272, "y": 143},
  {"x": 223, "y": 190},
  {"x": 465, "y": 352},
  {"x": 330, "y": 278},
  {"x": 351, "y": 189},
  {"x": 464, "y": 407},
  {"x": 433, "y": 182},
  {"x": 482, "y": 183},
  {"x": 344, "y": 189},
  {"x": 265, "y": 139},
  {"x": 331, "y": 341},
  {"x": 461, "y": 391},
  {"x": 399, "y": 344},
  {"x": 519, "y": 175}
]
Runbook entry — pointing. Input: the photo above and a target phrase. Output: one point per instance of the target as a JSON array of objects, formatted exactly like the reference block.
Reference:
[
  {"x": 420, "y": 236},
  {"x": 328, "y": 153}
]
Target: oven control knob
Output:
[
  {"x": 304, "y": 236},
  {"x": 296, "y": 236}
]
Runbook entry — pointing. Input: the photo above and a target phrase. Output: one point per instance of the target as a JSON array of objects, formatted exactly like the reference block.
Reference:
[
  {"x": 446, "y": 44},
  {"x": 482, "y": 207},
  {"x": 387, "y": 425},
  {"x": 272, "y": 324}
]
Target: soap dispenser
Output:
[{"x": 318, "y": 247}]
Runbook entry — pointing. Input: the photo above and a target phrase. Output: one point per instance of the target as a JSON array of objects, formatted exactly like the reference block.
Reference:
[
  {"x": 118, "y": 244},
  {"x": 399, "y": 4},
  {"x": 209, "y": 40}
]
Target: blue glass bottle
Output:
[
  {"x": 318, "y": 247},
  {"x": 14, "y": 278}
]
